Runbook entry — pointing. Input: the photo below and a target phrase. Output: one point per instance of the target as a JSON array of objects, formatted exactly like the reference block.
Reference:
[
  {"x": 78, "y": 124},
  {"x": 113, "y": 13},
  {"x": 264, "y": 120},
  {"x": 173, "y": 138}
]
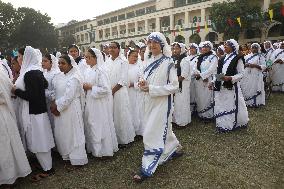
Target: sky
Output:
[{"x": 62, "y": 11}]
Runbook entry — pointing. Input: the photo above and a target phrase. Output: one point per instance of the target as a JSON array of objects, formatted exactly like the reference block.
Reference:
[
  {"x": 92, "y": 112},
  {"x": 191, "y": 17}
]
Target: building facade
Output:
[{"x": 180, "y": 20}]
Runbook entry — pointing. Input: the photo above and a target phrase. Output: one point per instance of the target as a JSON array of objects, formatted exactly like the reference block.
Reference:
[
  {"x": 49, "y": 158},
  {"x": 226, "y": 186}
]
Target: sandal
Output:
[
  {"x": 42, "y": 175},
  {"x": 139, "y": 178}
]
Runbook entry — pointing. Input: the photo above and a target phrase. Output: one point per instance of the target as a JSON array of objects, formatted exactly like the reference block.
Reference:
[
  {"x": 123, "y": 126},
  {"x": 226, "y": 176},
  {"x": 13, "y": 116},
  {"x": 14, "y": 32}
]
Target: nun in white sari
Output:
[
  {"x": 35, "y": 127},
  {"x": 159, "y": 83},
  {"x": 193, "y": 58},
  {"x": 277, "y": 72},
  {"x": 50, "y": 66},
  {"x": 99, "y": 127},
  {"x": 230, "y": 110},
  {"x": 206, "y": 68},
  {"x": 13, "y": 160},
  {"x": 252, "y": 82},
  {"x": 182, "y": 113},
  {"x": 67, "y": 108}
]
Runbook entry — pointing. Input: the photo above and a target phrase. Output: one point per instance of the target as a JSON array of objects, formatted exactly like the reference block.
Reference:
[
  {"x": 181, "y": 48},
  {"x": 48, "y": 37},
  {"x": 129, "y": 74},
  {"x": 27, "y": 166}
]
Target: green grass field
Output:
[{"x": 251, "y": 158}]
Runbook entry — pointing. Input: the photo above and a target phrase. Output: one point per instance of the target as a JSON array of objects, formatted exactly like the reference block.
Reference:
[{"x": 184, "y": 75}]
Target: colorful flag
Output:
[
  {"x": 198, "y": 27},
  {"x": 239, "y": 21},
  {"x": 206, "y": 27},
  {"x": 270, "y": 12}
]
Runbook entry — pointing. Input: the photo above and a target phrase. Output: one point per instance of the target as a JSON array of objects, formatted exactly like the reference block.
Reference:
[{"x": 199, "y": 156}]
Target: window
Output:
[
  {"x": 150, "y": 9},
  {"x": 113, "y": 19},
  {"x": 106, "y": 21},
  {"x": 77, "y": 29},
  {"x": 130, "y": 14},
  {"x": 86, "y": 36},
  {"x": 121, "y": 17},
  {"x": 78, "y": 39},
  {"x": 180, "y": 3},
  {"x": 100, "y": 22},
  {"x": 82, "y": 37},
  {"x": 85, "y": 27},
  {"x": 81, "y": 28},
  {"x": 140, "y": 12}
]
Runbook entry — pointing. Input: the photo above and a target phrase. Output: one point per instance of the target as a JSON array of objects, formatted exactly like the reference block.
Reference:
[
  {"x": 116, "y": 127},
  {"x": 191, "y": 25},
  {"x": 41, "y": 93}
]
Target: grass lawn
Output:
[{"x": 251, "y": 158}]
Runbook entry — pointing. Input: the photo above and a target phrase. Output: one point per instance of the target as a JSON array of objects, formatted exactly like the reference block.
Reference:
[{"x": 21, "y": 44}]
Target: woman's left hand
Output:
[{"x": 87, "y": 86}]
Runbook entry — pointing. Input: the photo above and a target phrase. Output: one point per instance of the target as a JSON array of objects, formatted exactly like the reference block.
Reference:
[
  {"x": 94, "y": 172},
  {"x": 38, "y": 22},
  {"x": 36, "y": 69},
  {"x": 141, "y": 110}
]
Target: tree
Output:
[
  {"x": 33, "y": 28},
  {"x": 7, "y": 17},
  {"x": 224, "y": 16},
  {"x": 67, "y": 40}
]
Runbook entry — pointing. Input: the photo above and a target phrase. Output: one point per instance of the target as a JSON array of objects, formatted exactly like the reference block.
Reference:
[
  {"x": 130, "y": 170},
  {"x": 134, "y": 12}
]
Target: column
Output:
[
  {"x": 126, "y": 28},
  {"x": 110, "y": 32},
  {"x": 186, "y": 19},
  {"x": 104, "y": 33},
  {"x": 202, "y": 17},
  {"x": 146, "y": 26},
  {"x": 136, "y": 27},
  {"x": 158, "y": 27},
  {"x": 118, "y": 30},
  {"x": 172, "y": 20},
  {"x": 266, "y": 4}
]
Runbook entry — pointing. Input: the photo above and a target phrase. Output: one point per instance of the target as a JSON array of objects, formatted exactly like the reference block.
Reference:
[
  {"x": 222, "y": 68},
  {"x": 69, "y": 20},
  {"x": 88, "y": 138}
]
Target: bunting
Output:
[
  {"x": 239, "y": 21},
  {"x": 270, "y": 12}
]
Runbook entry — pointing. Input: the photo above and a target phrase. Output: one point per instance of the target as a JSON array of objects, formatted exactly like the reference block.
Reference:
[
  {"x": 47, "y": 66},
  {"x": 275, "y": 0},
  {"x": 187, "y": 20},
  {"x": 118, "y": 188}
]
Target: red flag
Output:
[
  {"x": 282, "y": 10},
  {"x": 198, "y": 27}
]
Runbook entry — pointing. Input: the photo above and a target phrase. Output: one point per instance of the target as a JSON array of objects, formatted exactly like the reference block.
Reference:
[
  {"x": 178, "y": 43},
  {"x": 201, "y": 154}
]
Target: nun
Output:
[
  {"x": 230, "y": 110},
  {"x": 252, "y": 82},
  {"x": 13, "y": 159},
  {"x": 100, "y": 132},
  {"x": 182, "y": 113},
  {"x": 159, "y": 83},
  {"x": 277, "y": 71},
  {"x": 206, "y": 68},
  {"x": 35, "y": 126},
  {"x": 67, "y": 107},
  {"x": 74, "y": 51}
]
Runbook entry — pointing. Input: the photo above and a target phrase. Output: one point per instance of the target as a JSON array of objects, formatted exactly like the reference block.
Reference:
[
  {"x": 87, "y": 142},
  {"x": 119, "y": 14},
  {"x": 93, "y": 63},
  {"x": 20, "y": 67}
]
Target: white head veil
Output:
[
  {"x": 100, "y": 58},
  {"x": 182, "y": 46},
  {"x": 57, "y": 55},
  {"x": 194, "y": 45},
  {"x": 207, "y": 44},
  {"x": 256, "y": 45},
  {"x": 160, "y": 38},
  {"x": 271, "y": 46},
  {"x": 31, "y": 61},
  {"x": 221, "y": 47},
  {"x": 233, "y": 44},
  {"x": 54, "y": 61}
]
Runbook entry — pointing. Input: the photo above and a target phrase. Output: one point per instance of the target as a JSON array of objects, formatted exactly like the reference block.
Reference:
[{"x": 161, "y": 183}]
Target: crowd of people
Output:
[{"x": 98, "y": 103}]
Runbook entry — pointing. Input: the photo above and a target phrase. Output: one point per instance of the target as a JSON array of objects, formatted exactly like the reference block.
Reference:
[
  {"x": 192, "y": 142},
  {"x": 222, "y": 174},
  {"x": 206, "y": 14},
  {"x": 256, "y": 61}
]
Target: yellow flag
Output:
[
  {"x": 270, "y": 12},
  {"x": 239, "y": 21},
  {"x": 206, "y": 27}
]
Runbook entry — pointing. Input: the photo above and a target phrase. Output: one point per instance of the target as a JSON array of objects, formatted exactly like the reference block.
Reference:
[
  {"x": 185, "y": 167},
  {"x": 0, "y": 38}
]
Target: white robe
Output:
[
  {"x": 82, "y": 67},
  {"x": 99, "y": 127},
  {"x": 230, "y": 110},
  {"x": 69, "y": 126},
  {"x": 117, "y": 71},
  {"x": 192, "y": 60},
  {"x": 252, "y": 82},
  {"x": 204, "y": 96},
  {"x": 277, "y": 72},
  {"x": 13, "y": 160},
  {"x": 182, "y": 113},
  {"x": 159, "y": 140},
  {"x": 135, "y": 96},
  {"x": 49, "y": 75}
]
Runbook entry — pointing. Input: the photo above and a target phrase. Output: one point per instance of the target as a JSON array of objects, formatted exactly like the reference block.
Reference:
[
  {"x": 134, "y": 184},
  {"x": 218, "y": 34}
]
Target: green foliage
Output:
[
  {"x": 25, "y": 26},
  {"x": 7, "y": 17},
  {"x": 225, "y": 14}
]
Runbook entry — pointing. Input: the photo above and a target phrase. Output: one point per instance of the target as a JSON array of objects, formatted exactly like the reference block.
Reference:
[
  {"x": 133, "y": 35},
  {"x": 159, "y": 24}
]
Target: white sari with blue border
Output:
[{"x": 159, "y": 140}]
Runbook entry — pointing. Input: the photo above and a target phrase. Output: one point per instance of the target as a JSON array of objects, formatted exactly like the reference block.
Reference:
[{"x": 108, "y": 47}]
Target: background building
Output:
[{"x": 180, "y": 20}]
